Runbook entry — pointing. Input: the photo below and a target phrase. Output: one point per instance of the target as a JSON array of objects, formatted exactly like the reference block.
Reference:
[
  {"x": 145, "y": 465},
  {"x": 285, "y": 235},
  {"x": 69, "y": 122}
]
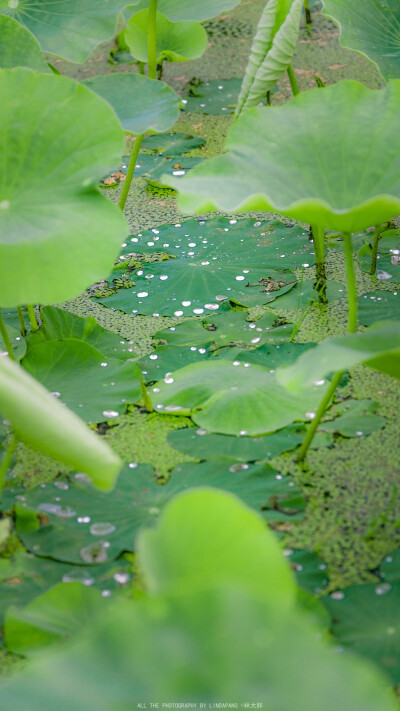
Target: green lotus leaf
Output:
[
  {"x": 234, "y": 547},
  {"x": 76, "y": 373},
  {"x": 19, "y": 48},
  {"x": 388, "y": 259},
  {"x": 366, "y": 620},
  {"x": 356, "y": 418},
  {"x": 378, "y": 306},
  {"x": 176, "y": 41},
  {"x": 71, "y": 29},
  {"x": 218, "y": 260},
  {"x": 141, "y": 104},
  {"x": 166, "y": 359},
  {"x": 378, "y": 347},
  {"x": 60, "y": 325},
  {"x": 227, "y": 644},
  {"x": 178, "y": 10},
  {"x": 315, "y": 159},
  {"x": 309, "y": 569},
  {"x": 172, "y": 144},
  {"x": 24, "y": 577},
  {"x": 197, "y": 443},
  {"x": 41, "y": 421},
  {"x": 60, "y": 139},
  {"x": 390, "y": 567},
  {"x": 273, "y": 48},
  {"x": 52, "y": 617},
  {"x": 304, "y": 293},
  {"x": 154, "y": 167},
  {"x": 231, "y": 398},
  {"x": 370, "y": 27},
  {"x": 18, "y": 343},
  {"x": 215, "y": 97}
]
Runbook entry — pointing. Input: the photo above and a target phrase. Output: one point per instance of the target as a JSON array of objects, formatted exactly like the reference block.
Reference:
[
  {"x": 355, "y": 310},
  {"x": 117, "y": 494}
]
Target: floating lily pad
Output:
[
  {"x": 257, "y": 485},
  {"x": 366, "y": 620},
  {"x": 52, "y": 617},
  {"x": 378, "y": 306},
  {"x": 175, "y": 41},
  {"x": 197, "y": 442},
  {"x": 95, "y": 388},
  {"x": 304, "y": 293},
  {"x": 61, "y": 325},
  {"x": 217, "y": 96},
  {"x": 356, "y": 418},
  {"x": 272, "y": 154},
  {"x": 218, "y": 260},
  {"x": 19, "y": 48},
  {"x": 178, "y": 10},
  {"x": 71, "y": 29},
  {"x": 48, "y": 163},
  {"x": 272, "y": 356},
  {"x": 172, "y": 144},
  {"x": 153, "y": 167},
  {"x": 370, "y": 27},
  {"x": 229, "y": 398},
  {"x": 167, "y": 359},
  {"x": 24, "y": 577},
  {"x": 140, "y": 103}
]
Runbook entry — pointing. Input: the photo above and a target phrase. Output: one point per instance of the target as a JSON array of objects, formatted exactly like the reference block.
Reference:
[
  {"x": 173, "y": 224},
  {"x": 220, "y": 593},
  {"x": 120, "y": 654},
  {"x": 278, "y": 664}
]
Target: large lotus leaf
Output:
[
  {"x": 272, "y": 355},
  {"x": 58, "y": 139},
  {"x": 235, "y": 547},
  {"x": 41, "y": 421},
  {"x": 167, "y": 359},
  {"x": 141, "y": 104},
  {"x": 178, "y": 10},
  {"x": 281, "y": 159},
  {"x": 175, "y": 41},
  {"x": 61, "y": 325},
  {"x": 272, "y": 51},
  {"x": 226, "y": 643},
  {"x": 388, "y": 260},
  {"x": 356, "y": 418},
  {"x": 67, "y": 28},
  {"x": 154, "y": 167},
  {"x": 258, "y": 485},
  {"x": 172, "y": 144},
  {"x": 370, "y": 27},
  {"x": 366, "y": 620},
  {"x": 77, "y": 373},
  {"x": 304, "y": 293},
  {"x": 216, "y": 97},
  {"x": 19, "y": 48},
  {"x": 219, "y": 260},
  {"x": 378, "y": 306},
  {"x": 229, "y": 398},
  {"x": 378, "y": 347},
  {"x": 25, "y": 577},
  {"x": 197, "y": 443},
  {"x": 52, "y": 617}
]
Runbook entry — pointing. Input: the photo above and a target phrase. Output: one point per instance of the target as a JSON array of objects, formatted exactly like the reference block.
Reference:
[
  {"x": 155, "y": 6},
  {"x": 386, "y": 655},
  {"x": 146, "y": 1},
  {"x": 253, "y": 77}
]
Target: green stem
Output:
[
  {"x": 152, "y": 39},
  {"x": 374, "y": 257},
  {"x": 141, "y": 67},
  {"x": 307, "y": 10},
  {"x": 318, "y": 234},
  {"x": 293, "y": 81},
  {"x": 351, "y": 284},
  {"x": 6, "y": 338},
  {"x": 318, "y": 416},
  {"x": 21, "y": 321},
  {"x": 146, "y": 400},
  {"x": 6, "y": 461},
  {"x": 131, "y": 170},
  {"x": 32, "y": 318}
]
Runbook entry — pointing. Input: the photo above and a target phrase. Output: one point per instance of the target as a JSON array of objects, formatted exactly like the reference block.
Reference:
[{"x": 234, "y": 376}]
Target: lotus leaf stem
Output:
[
  {"x": 293, "y": 81},
  {"x": 32, "y": 318},
  {"x": 131, "y": 170},
  {"x": 307, "y": 10},
  {"x": 374, "y": 257},
  {"x": 6, "y": 338},
  {"x": 152, "y": 39},
  {"x": 21, "y": 321},
  {"x": 318, "y": 234},
  {"x": 6, "y": 461},
  {"x": 146, "y": 400}
]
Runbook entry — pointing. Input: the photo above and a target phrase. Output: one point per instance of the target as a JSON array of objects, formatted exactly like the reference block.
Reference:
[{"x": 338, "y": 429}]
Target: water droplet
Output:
[
  {"x": 168, "y": 381},
  {"x": 78, "y": 576},
  {"x": 359, "y": 433},
  {"x": 243, "y": 432},
  {"x": 305, "y": 265},
  {"x": 337, "y": 595},
  {"x": 57, "y": 510},
  {"x": 198, "y": 311},
  {"x": 178, "y": 172},
  {"x": 255, "y": 340},
  {"x": 84, "y": 478},
  {"x": 103, "y": 365},
  {"x": 238, "y": 467},
  {"x": 310, "y": 415},
  {"x": 383, "y": 588},
  {"x": 154, "y": 511},
  {"x": 389, "y": 559},
  {"x": 202, "y": 351},
  {"x": 382, "y": 275},
  {"x": 61, "y": 485},
  {"x": 178, "y": 313},
  {"x": 83, "y": 519},
  {"x": 106, "y": 593},
  {"x": 110, "y": 413},
  {"x": 201, "y": 432},
  {"x": 287, "y": 552},
  {"x": 153, "y": 356},
  {"x": 156, "y": 390},
  {"x": 236, "y": 362},
  {"x": 239, "y": 278},
  {"x": 13, "y": 4},
  {"x": 163, "y": 277},
  {"x": 101, "y": 529},
  {"x": 132, "y": 465},
  {"x": 142, "y": 294},
  {"x": 319, "y": 382},
  {"x": 56, "y": 393}
]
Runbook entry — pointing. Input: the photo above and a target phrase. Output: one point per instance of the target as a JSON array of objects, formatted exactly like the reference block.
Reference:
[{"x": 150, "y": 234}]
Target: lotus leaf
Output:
[
  {"x": 140, "y": 103},
  {"x": 172, "y": 144},
  {"x": 178, "y": 10},
  {"x": 378, "y": 306},
  {"x": 216, "y": 97},
  {"x": 71, "y": 29},
  {"x": 19, "y": 48},
  {"x": 370, "y": 27},
  {"x": 58, "y": 233},
  {"x": 176, "y": 41},
  {"x": 280, "y": 159}
]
